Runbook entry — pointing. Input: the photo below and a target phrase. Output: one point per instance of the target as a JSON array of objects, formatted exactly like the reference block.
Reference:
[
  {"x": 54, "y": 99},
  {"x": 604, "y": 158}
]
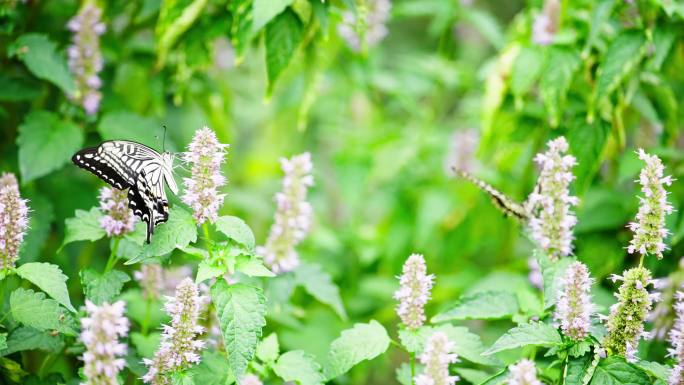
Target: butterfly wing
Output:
[
  {"x": 149, "y": 205},
  {"x": 105, "y": 167},
  {"x": 507, "y": 205}
]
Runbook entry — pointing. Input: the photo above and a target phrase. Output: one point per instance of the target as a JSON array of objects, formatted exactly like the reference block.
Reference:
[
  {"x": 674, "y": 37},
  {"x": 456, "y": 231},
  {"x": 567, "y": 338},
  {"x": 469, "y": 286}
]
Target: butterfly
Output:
[
  {"x": 507, "y": 205},
  {"x": 130, "y": 165}
]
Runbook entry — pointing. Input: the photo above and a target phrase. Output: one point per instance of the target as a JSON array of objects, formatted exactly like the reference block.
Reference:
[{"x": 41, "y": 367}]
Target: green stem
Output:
[
  {"x": 146, "y": 321},
  {"x": 641, "y": 261},
  {"x": 113, "y": 258},
  {"x": 207, "y": 238},
  {"x": 47, "y": 361},
  {"x": 412, "y": 361}
]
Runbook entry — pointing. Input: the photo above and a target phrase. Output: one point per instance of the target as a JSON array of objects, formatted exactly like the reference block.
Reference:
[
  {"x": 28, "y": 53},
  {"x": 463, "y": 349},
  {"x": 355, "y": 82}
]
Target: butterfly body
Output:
[{"x": 143, "y": 171}]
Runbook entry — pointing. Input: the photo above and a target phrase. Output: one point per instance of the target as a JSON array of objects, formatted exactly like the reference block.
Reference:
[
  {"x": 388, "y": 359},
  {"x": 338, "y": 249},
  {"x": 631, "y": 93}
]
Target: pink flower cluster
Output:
[
  {"x": 546, "y": 23},
  {"x": 436, "y": 358},
  {"x": 13, "y": 220},
  {"x": 414, "y": 291},
  {"x": 100, "y": 334},
  {"x": 85, "y": 58},
  {"x": 574, "y": 307},
  {"x": 523, "y": 373},
  {"x": 118, "y": 219},
  {"x": 366, "y": 26},
  {"x": 677, "y": 342}
]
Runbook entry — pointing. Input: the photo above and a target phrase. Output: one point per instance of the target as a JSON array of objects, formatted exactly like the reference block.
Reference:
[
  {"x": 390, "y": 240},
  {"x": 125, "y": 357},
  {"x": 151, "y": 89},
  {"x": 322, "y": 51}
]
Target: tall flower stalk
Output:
[
  {"x": 574, "y": 307},
  {"x": 85, "y": 58},
  {"x": 151, "y": 280},
  {"x": 179, "y": 347},
  {"x": 649, "y": 228},
  {"x": 118, "y": 219},
  {"x": 676, "y": 349},
  {"x": 101, "y": 330},
  {"x": 413, "y": 292},
  {"x": 523, "y": 373},
  {"x": 552, "y": 203},
  {"x": 367, "y": 26},
  {"x": 206, "y": 155},
  {"x": 627, "y": 316},
  {"x": 293, "y": 215},
  {"x": 13, "y": 221},
  {"x": 436, "y": 358}
]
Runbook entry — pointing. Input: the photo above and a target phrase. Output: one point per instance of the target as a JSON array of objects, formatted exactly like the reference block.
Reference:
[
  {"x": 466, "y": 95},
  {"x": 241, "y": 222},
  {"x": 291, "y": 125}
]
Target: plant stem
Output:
[
  {"x": 207, "y": 238},
  {"x": 146, "y": 321},
  {"x": 412, "y": 361},
  {"x": 113, "y": 258},
  {"x": 641, "y": 261}
]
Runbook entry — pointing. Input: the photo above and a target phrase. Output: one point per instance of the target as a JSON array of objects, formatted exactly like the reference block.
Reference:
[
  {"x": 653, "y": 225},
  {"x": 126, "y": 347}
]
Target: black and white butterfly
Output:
[
  {"x": 140, "y": 169},
  {"x": 507, "y": 205}
]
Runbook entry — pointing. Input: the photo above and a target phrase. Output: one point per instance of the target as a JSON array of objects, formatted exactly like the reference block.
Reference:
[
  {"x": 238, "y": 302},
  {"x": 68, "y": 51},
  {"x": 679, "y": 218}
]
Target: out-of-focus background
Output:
[{"x": 387, "y": 96}]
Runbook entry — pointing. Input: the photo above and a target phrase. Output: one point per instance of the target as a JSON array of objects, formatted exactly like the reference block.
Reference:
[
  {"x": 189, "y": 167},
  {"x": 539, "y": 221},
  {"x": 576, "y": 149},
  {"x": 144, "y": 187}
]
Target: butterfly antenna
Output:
[{"x": 164, "y": 140}]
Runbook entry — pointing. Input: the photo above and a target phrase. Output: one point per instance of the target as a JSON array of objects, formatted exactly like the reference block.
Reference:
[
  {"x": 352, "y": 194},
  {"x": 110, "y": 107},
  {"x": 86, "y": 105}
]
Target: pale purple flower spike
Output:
[
  {"x": 574, "y": 306},
  {"x": 13, "y": 220},
  {"x": 546, "y": 23},
  {"x": 179, "y": 347},
  {"x": 523, "y": 373},
  {"x": 293, "y": 215},
  {"x": 554, "y": 219},
  {"x": 414, "y": 291},
  {"x": 150, "y": 277},
  {"x": 436, "y": 358},
  {"x": 118, "y": 219},
  {"x": 367, "y": 26},
  {"x": 85, "y": 58},
  {"x": 206, "y": 155},
  {"x": 649, "y": 229},
  {"x": 250, "y": 379},
  {"x": 101, "y": 330},
  {"x": 676, "y": 335}
]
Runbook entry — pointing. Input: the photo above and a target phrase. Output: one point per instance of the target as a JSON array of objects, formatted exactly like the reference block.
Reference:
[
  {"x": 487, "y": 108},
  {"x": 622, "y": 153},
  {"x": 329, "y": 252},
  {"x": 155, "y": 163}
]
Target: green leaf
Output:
[
  {"x": 206, "y": 270},
  {"x": 298, "y": 366},
  {"x": 130, "y": 126},
  {"x": 3, "y": 341},
  {"x": 178, "y": 232},
  {"x": 482, "y": 305},
  {"x": 587, "y": 141},
  {"x": 46, "y": 143},
  {"x": 535, "y": 333},
  {"x": 48, "y": 278},
  {"x": 623, "y": 55},
  {"x": 252, "y": 266},
  {"x": 182, "y": 378},
  {"x": 552, "y": 275},
  {"x": 486, "y": 24},
  {"x": 414, "y": 339},
  {"x": 655, "y": 369},
  {"x": 241, "y": 310},
  {"x": 600, "y": 15},
  {"x": 663, "y": 39},
  {"x": 212, "y": 370},
  {"x": 283, "y": 35},
  {"x": 33, "y": 309},
  {"x": 468, "y": 345},
  {"x": 28, "y": 338},
  {"x": 84, "y": 226},
  {"x": 362, "y": 342},
  {"x": 241, "y": 26},
  {"x": 526, "y": 70},
  {"x": 319, "y": 285},
  {"x": 561, "y": 65},
  {"x": 18, "y": 89},
  {"x": 175, "y": 17},
  {"x": 264, "y": 11},
  {"x": 145, "y": 345},
  {"x": 268, "y": 349},
  {"x": 100, "y": 288},
  {"x": 576, "y": 369},
  {"x": 237, "y": 230},
  {"x": 616, "y": 371},
  {"x": 12, "y": 371},
  {"x": 40, "y": 55}
]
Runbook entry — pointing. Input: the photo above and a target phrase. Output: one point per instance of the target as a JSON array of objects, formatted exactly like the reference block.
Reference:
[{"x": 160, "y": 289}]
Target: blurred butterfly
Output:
[
  {"x": 507, "y": 205},
  {"x": 140, "y": 169}
]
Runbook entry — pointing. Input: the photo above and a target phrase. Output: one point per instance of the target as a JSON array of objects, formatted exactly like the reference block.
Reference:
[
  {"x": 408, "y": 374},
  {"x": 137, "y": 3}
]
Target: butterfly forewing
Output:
[
  {"x": 124, "y": 164},
  {"x": 507, "y": 205}
]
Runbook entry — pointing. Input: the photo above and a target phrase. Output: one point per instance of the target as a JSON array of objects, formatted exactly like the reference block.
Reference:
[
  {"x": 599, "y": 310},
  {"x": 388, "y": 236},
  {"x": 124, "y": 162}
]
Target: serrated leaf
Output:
[
  {"x": 481, "y": 305},
  {"x": 300, "y": 367},
  {"x": 45, "y": 143},
  {"x": 237, "y": 230},
  {"x": 48, "y": 278},
  {"x": 268, "y": 349},
  {"x": 28, "y": 338},
  {"x": 319, "y": 285},
  {"x": 561, "y": 65},
  {"x": 535, "y": 333},
  {"x": 241, "y": 310},
  {"x": 206, "y": 270},
  {"x": 178, "y": 232},
  {"x": 33, "y": 309},
  {"x": 40, "y": 55},
  {"x": 264, "y": 11},
  {"x": 467, "y": 345},
  {"x": 84, "y": 226},
  {"x": 576, "y": 369},
  {"x": 182, "y": 378},
  {"x": 212, "y": 370},
  {"x": 175, "y": 17},
  {"x": 253, "y": 266},
  {"x": 623, "y": 55},
  {"x": 104, "y": 287},
  {"x": 360, "y": 343},
  {"x": 283, "y": 36},
  {"x": 655, "y": 369},
  {"x": 616, "y": 371}
]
